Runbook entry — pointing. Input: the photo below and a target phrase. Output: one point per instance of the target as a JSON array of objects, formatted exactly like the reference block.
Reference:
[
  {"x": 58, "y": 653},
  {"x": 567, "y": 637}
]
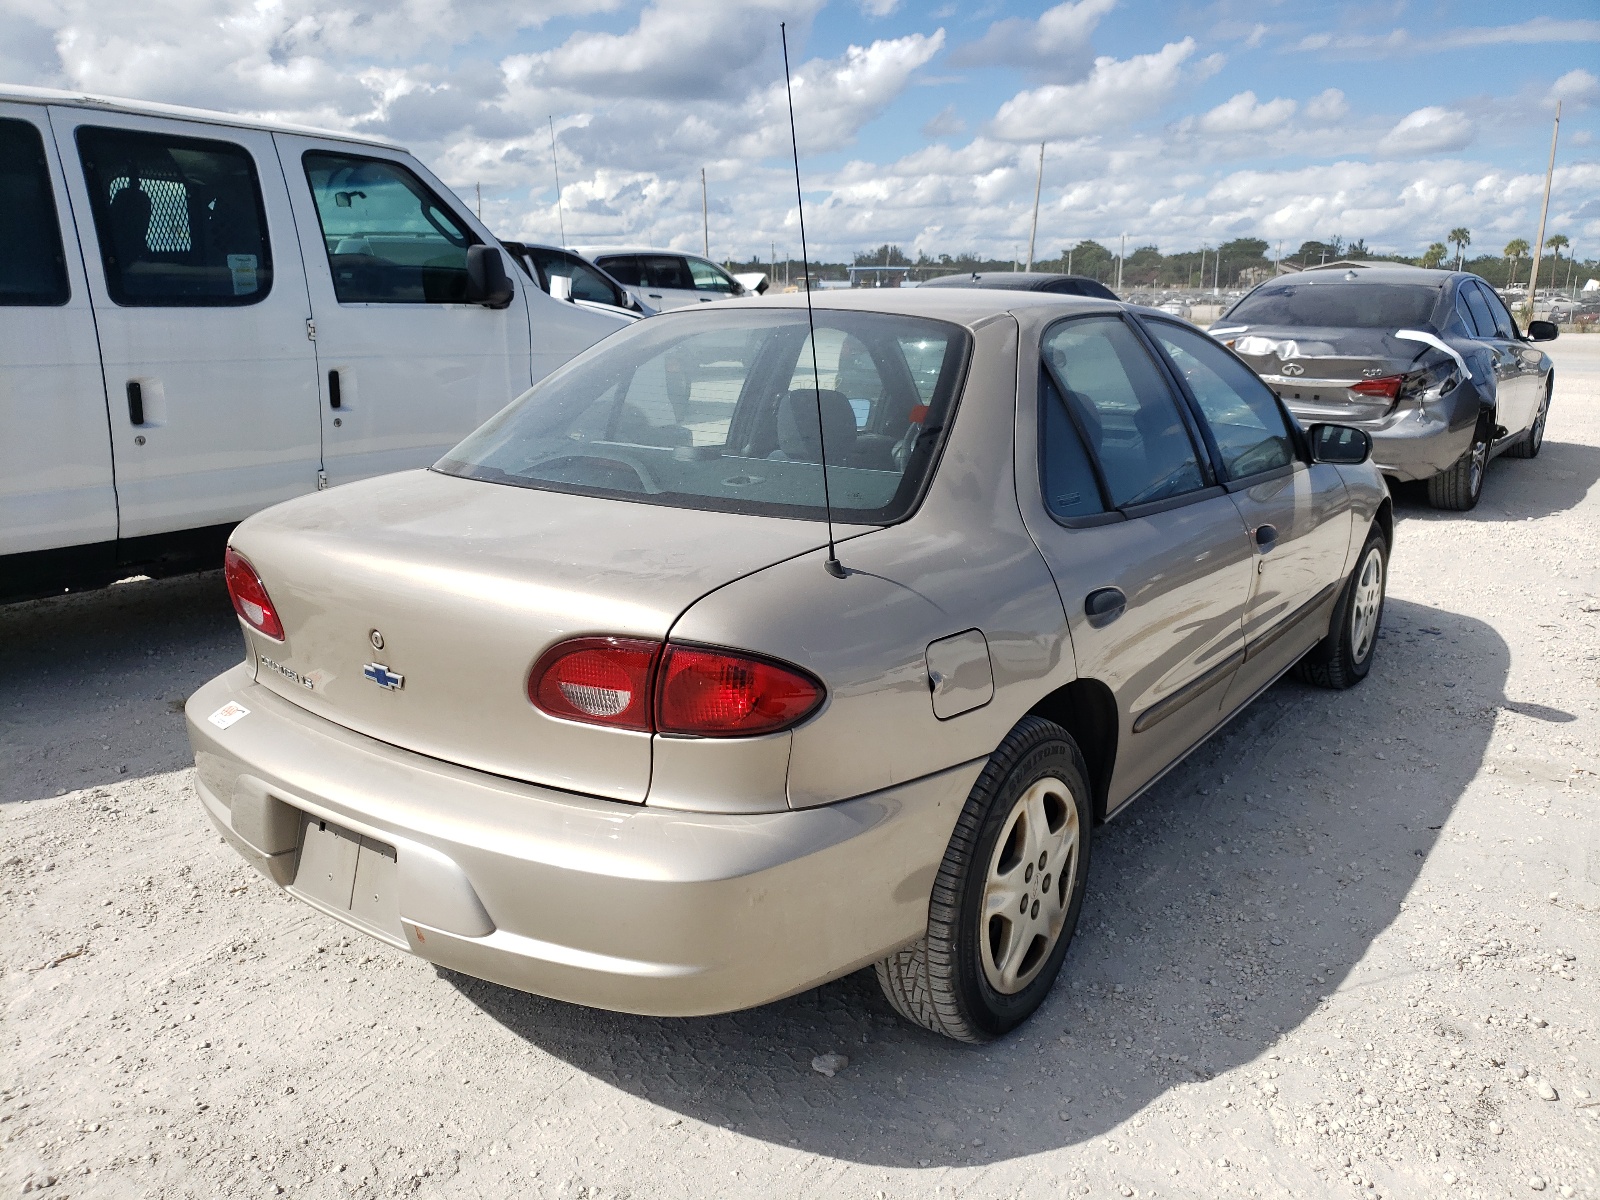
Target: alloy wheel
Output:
[
  {"x": 1480, "y": 464},
  {"x": 1032, "y": 874},
  {"x": 1366, "y": 604}
]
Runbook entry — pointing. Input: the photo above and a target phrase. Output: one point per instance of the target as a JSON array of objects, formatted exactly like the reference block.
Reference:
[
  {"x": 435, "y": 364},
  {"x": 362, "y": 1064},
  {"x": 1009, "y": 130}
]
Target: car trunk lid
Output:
[
  {"x": 414, "y": 606},
  {"x": 1315, "y": 370}
]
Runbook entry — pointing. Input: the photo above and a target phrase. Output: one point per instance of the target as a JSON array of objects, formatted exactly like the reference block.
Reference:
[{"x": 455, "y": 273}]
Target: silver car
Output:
[{"x": 588, "y": 709}]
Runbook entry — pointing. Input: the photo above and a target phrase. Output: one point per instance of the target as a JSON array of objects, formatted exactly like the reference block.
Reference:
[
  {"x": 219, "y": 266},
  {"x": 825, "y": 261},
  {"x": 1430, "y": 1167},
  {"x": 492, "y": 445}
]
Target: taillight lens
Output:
[
  {"x": 695, "y": 691},
  {"x": 718, "y": 693},
  {"x": 250, "y": 599},
  {"x": 1388, "y": 387},
  {"x": 598, "y": 680}
]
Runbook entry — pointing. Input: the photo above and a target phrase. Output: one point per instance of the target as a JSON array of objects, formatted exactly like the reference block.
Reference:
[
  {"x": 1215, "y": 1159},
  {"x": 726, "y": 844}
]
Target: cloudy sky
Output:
[{"x": 1179, "y": 124}]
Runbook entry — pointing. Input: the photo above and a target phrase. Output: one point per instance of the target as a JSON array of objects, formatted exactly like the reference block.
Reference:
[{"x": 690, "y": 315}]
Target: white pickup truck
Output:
[{"x": 202, "y": 315}]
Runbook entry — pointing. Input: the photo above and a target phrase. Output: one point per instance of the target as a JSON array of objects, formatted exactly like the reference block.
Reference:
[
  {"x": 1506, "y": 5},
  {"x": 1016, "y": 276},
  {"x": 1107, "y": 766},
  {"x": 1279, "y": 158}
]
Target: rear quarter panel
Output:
[{"x": 963, "y": 561}]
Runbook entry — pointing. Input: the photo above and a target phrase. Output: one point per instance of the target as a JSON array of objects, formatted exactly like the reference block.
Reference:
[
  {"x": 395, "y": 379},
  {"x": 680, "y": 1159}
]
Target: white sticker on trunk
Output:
[{"x": 228, "y": 714}]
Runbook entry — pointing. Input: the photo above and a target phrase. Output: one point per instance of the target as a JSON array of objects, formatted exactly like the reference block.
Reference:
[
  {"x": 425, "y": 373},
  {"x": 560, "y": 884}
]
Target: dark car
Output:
[
  {"x": 1026, "y": 281},
  {"x": 590, "y": 284},
  {"x": 1430, "y": 363}
]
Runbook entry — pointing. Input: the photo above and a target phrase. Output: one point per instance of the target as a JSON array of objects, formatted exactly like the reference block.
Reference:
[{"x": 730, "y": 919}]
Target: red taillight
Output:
[
  {"x": 599, "y": 680},
  {"x": 250, "y": 599},
  {"x": 1388, "y": 387},
  {"x": 696, "y": 691},
  {"x": 717, "y": 693}
]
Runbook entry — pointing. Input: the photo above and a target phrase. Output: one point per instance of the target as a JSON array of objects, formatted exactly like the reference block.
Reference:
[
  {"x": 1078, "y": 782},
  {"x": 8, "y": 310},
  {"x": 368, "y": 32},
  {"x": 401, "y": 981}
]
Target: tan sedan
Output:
[{"x": 589, "y": 709}]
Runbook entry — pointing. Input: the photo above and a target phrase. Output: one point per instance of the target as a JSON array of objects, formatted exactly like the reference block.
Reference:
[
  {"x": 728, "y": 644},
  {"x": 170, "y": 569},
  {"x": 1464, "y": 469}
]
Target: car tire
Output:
[
  {"x": 1533, "y": 441},
  {"x": 1458, "y": 487},
  {"x": 999, "y": 922},
  {"x": 1343, "y": 658}
]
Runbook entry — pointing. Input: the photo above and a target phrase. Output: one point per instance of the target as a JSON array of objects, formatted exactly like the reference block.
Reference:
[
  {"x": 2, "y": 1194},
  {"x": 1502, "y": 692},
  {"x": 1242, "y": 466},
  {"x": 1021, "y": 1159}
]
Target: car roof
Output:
[
  {"x": 606, "y": 251},
  {"x": 1018, "y": 280},
  {"x": 17, "y": 94},
  {"x": 964, "y": 306},
  {"x": 1380, "y": 272}
]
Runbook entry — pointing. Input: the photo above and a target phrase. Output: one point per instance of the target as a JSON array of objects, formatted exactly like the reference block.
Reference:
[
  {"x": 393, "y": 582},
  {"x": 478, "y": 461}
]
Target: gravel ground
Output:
[{"x": 1349, "y": 948}]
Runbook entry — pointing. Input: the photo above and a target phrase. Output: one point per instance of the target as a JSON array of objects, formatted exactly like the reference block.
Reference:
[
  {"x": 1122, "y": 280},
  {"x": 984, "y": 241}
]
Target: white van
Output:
[{"x": 202, "y": 315}]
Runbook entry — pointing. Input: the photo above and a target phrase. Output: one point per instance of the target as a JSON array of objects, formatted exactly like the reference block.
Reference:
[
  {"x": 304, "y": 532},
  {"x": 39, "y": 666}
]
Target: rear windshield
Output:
[
  {"x": 719, "y": 410},
  {"x": 1336, "y": 302}
]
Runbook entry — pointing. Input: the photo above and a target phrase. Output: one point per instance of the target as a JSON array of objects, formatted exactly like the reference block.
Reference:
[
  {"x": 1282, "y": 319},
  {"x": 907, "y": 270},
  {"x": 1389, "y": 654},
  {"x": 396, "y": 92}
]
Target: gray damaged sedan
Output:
[{"x": 584, "y": 710}]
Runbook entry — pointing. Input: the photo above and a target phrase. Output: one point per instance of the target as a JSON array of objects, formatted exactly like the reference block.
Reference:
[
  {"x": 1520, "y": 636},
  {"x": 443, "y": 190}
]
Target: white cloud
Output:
[
  {"x": 1245, "y": 114},
  {"x": 1055, "y": 46},
  {"x": 944, "y": 123},
  {"x": 878, "y": 8},
  {"x": 1535, "y": 31},
  {"x": 1258, "y": 34},
  {"x": 1117, "y": 93},
  {"x": 1327, "y": 106},
  {"x": 1431, "y": 130},
  {"x": 1575, "y": 89}
]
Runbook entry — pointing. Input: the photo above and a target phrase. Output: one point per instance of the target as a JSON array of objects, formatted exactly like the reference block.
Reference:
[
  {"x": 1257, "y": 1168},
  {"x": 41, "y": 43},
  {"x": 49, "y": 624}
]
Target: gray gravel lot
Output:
[{"x": 1349, "y": 948}]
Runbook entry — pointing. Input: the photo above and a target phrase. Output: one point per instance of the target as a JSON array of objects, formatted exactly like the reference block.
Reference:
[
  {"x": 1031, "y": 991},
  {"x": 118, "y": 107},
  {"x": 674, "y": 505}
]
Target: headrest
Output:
[
  {"x": 130, "y": 221},
  {"x": 798, "y": 438}
]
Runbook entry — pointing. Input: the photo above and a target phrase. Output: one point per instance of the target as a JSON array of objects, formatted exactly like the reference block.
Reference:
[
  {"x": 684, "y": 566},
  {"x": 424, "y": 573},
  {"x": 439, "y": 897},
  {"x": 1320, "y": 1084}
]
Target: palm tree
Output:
[
  {"x": 1516, "y": 250},
  {"x": 1557, "y": 242},
  {"x": 1461, "y": 238},
  {"x": 1434, "y": 255}
]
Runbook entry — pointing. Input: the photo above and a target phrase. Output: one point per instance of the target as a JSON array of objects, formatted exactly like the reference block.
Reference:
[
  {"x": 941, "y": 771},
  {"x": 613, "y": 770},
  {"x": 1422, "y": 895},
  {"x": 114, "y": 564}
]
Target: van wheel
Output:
[
  {"x": 1006, "y": 900},
  {"x": 1533, "y": 442},
  {"x": 1343, "y": 658},
  {"x": 1459, "y": 485}
]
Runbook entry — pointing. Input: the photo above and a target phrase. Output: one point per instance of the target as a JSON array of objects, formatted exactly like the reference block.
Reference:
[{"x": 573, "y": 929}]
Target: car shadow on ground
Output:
[
  {"x": 1517, "y": 488},
  {"x": 1222, "y": 909},
  {"x": 92, "y": 685}
]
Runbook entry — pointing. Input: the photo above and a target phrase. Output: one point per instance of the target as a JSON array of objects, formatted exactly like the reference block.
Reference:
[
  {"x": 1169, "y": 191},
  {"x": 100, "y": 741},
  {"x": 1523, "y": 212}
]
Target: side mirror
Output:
[
  {"x": 561, "y": 287},
  {"x": 1340, "y": 445},
  {"x": 1542, "y": 331},
  {"x": 487, "y": 281}
]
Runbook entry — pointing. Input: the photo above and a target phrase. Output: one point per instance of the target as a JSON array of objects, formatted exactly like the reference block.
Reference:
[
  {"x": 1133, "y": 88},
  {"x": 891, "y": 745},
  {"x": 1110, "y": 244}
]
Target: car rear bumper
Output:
[
  {"x": 597, "y": 902},
  {"x": 1414, "y": 443}
]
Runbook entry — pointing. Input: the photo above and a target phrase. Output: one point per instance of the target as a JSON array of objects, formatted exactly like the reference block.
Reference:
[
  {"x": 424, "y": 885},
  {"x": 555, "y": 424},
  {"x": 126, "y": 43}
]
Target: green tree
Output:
[
  {"x": 1516, "y": 250},
  {"x": 1460, "y": 237},
  {"x": 1088, "y": 258},
  {"x": 883, "y": 256},
  {"x": 1434, "y": 254}
]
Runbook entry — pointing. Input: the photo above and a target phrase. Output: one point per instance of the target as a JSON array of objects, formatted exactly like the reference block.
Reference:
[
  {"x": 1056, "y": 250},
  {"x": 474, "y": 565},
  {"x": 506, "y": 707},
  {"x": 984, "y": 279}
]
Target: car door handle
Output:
[
  {"x": 654, "y": 295},
  {"x": 335, "y": 400},
  {"x": 1266, "y": 538},
  {"x": 1104, "y": 605},
  {"x": 135, "y": 402}
]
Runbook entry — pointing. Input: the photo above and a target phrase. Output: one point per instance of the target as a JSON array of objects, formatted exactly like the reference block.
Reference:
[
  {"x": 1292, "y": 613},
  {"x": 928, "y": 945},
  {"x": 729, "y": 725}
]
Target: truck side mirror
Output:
[
  {"x": 1341, "y": 445},
  {"x": 487, "y": 281},
  {"x": 561, "y": 287}
]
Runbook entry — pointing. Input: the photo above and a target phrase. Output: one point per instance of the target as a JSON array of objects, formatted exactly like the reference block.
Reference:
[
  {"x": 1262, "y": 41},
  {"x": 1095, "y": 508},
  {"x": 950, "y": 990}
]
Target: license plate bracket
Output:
[{"x": 350, "y": 876}]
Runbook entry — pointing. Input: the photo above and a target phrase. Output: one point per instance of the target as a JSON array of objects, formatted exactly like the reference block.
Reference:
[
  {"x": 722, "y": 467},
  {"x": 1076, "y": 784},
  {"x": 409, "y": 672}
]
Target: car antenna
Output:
[{"x": 833, "y": 566}]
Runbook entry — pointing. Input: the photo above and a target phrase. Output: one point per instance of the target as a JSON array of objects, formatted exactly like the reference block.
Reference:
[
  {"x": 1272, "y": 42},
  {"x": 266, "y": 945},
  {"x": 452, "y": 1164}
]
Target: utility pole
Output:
[
  {"x": 1121, "y": 257},
  {"x": 556, "y": 166},
  {"x": 479, "y": 188},
  {"x": 1069, "y": 259},
  {"x": 1544, "y": 212},
  {"x": 1038, "y": 182},
  {"x": 705, "y": 213}
]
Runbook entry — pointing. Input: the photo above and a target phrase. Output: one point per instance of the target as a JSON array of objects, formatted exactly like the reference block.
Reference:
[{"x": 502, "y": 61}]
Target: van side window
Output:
[
  {"x": 625, "y": 269},
  {"x": 180, "y": 220},
  {"x": 1130, "y": 417},
  {"x": 389, "y": 239},
  {"x": 33, "y": 267}
]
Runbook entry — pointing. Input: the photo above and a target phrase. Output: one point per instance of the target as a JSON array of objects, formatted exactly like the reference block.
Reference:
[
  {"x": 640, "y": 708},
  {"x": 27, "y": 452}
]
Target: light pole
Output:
[
  {"x": 1033, "y": 232},
  {"x": 1544, "y": 212}
]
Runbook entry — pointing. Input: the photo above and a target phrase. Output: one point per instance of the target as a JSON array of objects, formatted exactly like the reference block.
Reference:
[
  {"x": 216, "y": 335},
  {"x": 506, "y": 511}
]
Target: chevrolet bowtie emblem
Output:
[{"x": 383, "y": 677}]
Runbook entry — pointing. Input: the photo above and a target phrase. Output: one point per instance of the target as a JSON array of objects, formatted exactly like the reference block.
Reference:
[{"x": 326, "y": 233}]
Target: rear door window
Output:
[
  {"x": 1241, "y": 411},
  {"x": 1504, "y": 326},
  {"x": 1482, "y": 318},
  {"x": 33, "y": 267},
  {"x": 1129, "y": 416},
  {"x": 389, "y": 238},
  {"x": 1068, "y": 477},
  {"x": 180, "y": 220},
  {"x": 625, "y": 269},
  {"x": 667, "y": 271}
]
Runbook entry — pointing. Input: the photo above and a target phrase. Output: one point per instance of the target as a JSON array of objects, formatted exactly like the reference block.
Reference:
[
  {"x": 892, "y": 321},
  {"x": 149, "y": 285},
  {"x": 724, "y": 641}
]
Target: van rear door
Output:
[
  {"x": 199, "y": 297},
  {"x": 55, "y": 454}
]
